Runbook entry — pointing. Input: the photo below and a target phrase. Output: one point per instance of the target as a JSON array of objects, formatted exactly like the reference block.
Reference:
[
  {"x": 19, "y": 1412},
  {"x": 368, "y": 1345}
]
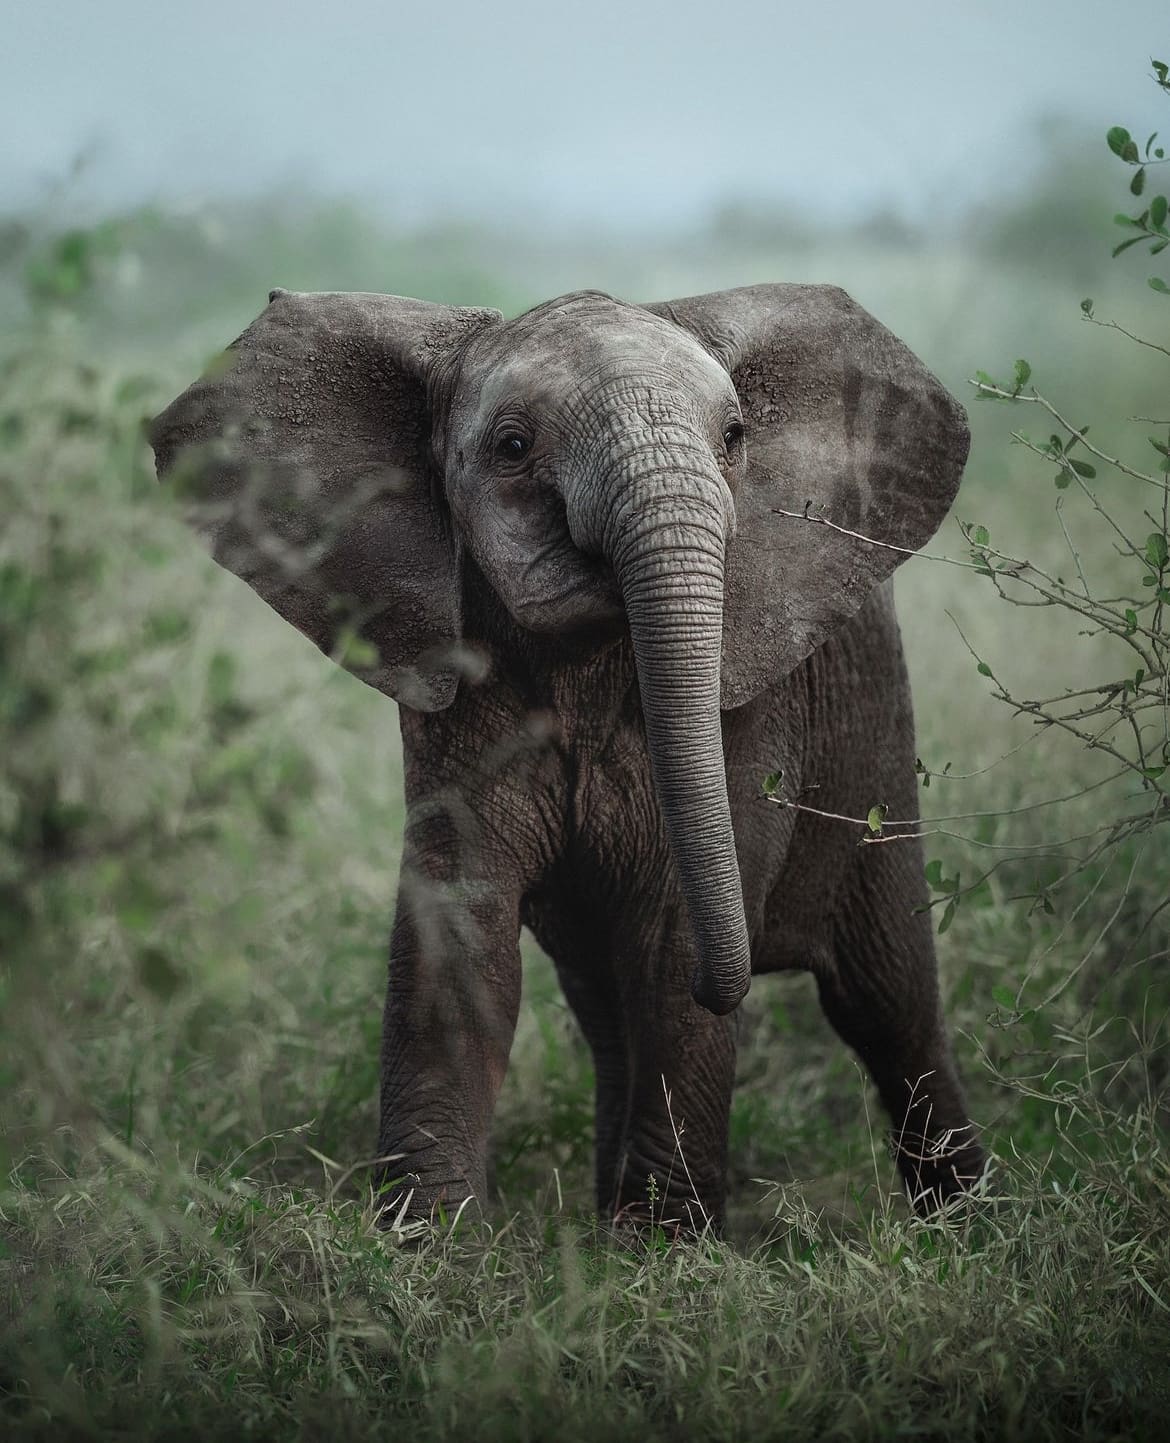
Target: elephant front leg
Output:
[
  {"x": 451, "y": 1007},
  {"x": 672, "y": 1164}
]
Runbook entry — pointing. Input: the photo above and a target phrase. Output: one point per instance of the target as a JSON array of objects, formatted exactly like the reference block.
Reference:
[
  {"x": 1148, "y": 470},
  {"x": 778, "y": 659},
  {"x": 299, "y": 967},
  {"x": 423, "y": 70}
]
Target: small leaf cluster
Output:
[
  {"x": 1068, "y": 467},
  {"x": 992, "y": 390},
  {"x": 1150, "y": 224},
  {"x": 948, "y": 887},
  {"x": 925, "y": 772}
]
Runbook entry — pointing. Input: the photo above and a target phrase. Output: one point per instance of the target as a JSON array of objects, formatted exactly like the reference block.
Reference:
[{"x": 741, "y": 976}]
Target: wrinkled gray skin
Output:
[{"x": 562, "y": 534}]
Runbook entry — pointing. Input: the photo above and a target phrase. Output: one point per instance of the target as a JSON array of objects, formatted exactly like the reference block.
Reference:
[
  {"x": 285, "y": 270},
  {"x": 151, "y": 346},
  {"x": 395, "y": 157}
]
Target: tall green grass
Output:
[{"x": 200, "y": 821}]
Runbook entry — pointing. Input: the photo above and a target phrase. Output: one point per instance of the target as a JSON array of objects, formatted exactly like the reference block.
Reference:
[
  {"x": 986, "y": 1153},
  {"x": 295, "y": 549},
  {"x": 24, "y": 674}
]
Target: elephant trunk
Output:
[{"x": 670, "y": 571}]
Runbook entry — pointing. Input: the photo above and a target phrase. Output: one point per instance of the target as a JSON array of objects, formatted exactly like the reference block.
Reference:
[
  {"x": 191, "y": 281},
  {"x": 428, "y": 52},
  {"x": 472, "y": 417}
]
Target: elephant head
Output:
[{"x": 596, "y": 460}]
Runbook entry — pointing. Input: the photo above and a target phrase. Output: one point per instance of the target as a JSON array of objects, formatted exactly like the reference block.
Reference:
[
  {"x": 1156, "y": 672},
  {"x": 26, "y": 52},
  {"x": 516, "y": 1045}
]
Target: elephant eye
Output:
[
  {"x": 513, "y": 446},
  {"x": 733, "y": 435}
]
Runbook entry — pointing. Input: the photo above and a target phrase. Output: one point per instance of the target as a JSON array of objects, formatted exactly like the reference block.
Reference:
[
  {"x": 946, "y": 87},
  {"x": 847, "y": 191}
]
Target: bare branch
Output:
[
  {"x": 1113, "y": 326},
  {"x": 807, "y": 515}
]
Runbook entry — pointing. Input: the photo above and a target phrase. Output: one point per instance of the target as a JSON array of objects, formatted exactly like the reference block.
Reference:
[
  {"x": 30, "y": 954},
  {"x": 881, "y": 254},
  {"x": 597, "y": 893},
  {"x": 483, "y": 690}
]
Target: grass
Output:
[
  {"x": 149, "y": 1300},
  {"x": 200, "y": 821}
]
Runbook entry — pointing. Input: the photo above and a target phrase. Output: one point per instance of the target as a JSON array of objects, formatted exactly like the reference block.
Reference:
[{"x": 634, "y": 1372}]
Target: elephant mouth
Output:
[{"x": 584, "y": 597}]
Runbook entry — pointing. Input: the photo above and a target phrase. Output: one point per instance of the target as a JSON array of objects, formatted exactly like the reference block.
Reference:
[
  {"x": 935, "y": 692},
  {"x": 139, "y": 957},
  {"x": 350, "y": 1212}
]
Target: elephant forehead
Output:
[{"x": 554, "y": 357}]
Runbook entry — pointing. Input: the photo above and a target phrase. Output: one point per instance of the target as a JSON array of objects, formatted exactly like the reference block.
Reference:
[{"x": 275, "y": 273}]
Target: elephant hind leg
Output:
[
  {"x": 879, "y": 989},
  {"x": 580, "y": 948},
  {"x": 595, "y": 1003}
]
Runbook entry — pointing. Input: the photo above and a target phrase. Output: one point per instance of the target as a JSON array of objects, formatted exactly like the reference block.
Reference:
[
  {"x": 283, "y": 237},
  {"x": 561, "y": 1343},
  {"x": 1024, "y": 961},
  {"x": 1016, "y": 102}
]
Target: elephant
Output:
[{"x": 617, "y": 563}]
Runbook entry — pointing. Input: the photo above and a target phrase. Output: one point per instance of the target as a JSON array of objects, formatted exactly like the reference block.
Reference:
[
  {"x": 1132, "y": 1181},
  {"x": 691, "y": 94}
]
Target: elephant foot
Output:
[
  {"x": 939, "y": 1170},
  {"x": 669, "y": 1219},
  {"x": 413, "y": 1209},
  {"x": 664, "y": 1201},
  {"x": 636, "y": 1231}
]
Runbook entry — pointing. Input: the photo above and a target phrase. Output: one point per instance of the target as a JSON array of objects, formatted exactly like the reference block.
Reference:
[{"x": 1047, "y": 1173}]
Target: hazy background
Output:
[{"x": 605, "y": 114}]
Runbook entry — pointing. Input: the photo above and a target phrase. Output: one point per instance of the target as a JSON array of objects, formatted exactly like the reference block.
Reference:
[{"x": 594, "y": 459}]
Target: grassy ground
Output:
[{"x": 199, "y": 828}]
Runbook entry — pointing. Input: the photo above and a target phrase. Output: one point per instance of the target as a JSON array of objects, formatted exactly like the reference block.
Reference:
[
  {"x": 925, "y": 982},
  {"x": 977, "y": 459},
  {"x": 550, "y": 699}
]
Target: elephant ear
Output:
[
  {"x": 305, "y": 454},
  {"x": 845, "y": 427}
]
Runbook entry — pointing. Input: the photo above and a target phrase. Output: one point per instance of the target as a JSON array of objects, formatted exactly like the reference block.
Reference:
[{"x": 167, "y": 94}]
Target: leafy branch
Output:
[
  {"x": 1116, "y": 589},
  {"x": 1149, "y": 224}
]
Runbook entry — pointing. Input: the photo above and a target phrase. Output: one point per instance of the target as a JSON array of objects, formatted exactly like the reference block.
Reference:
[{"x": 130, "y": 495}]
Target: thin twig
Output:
[
  {"x": 956, "y": 816},
  {"x": 807, "y": 515},
  {"x": 1036, "y": 398},
  {"x": 1113, "y": 326},
  {"x": 1047, "y": 718},
  {"x": 1073, "y": 552},
  {"x": 933, "y": 831}
]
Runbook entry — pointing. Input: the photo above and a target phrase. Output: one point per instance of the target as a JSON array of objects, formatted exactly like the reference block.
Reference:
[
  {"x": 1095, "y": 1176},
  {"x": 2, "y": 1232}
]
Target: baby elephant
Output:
[{"x": 617, "y": 563}]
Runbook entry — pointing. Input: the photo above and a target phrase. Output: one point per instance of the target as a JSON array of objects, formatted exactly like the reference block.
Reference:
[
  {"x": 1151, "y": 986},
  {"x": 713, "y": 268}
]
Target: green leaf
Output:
[
  {"x": 1125, "y": 245},
  {"x": 358, "y": 653},
  {"x": 1117, "y": 138},
  {"x": 934, "y": 874},
  {"x": 1158, "y": 284},
  {"x": 1131, "y": 620},
  {"x": 1156, "y": 250},
  {"x": 948, "y": 916},
  {"x": 1082, "y": 468},
  {"x": 1156, "y": 549},
  {"x": 1022, "y": 374},
  {"x": 1087, "y": 305},
  {"x": 771, "y": 783},
  {"x": 983, "y": 669},
  {"x": 1138, "y": 183},
  {"x": 980, "y": 535},
  {"x": 875, "y": 817},
  {"x": 1153, "y": 772},
  {"x": 1005, "y": 997},
  {"x": 1158, "y": 212}
]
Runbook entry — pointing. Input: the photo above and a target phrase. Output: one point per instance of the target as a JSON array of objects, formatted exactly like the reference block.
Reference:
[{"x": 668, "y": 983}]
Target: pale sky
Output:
[{"x": 613, "y": 112}]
